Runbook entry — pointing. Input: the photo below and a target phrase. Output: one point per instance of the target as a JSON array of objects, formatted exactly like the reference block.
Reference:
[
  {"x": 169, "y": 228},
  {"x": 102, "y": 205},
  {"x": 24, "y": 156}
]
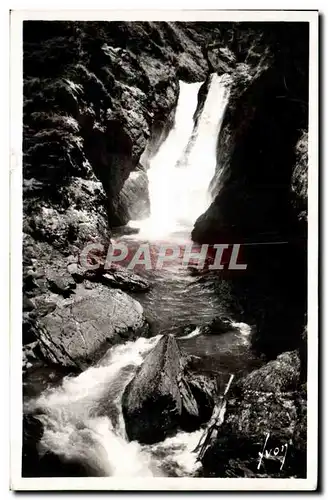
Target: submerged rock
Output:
[
  {"x": 53, "y": 465},
  {"x": 118, "y": 277},
  {"x": 218, "y": 325},
  {"x": 160, "y": 399}
]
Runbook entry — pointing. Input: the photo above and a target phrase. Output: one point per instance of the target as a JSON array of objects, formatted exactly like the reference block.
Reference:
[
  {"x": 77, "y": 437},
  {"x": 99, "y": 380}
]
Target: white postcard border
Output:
[{"x": 16, "y": 97}]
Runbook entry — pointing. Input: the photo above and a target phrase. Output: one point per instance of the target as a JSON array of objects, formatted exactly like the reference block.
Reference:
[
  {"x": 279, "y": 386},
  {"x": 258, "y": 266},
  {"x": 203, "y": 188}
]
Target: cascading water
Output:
[
  {"x": 82, "y": 418},
  {"x": 83, "y": 421},
  {"x": 181, "y": 172}
]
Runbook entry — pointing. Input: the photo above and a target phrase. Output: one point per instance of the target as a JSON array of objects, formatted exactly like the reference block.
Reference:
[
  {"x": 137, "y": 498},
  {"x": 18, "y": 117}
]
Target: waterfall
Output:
[
  {"x": 82, "y": 417},
  {"x": 181, "y": 171},
  {"x": 83, "y": 421}
]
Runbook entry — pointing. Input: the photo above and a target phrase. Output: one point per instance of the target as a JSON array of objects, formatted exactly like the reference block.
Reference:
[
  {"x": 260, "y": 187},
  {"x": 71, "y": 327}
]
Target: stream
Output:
[{"x": 82, "y": 416}]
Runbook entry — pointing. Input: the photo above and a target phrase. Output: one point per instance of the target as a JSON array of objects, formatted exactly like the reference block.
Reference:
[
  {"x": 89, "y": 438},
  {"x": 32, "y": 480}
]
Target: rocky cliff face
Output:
[
  {"x": 99, "y": 99},
  {"x": 260, "y": 187},
  {"x": 94, "y": 93},
  {"x": 97, "y": 96},
  {"x": 266, "y": 413}
]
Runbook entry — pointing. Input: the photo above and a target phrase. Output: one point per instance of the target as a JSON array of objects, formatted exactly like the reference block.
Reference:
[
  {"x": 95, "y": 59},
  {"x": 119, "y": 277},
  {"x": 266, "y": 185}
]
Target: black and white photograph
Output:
[{"x": 164, "y": 328}]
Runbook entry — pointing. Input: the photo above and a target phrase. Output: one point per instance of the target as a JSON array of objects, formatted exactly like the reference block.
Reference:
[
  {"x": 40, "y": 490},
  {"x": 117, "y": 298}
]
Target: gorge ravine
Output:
[{"x": 85, "y": 409}]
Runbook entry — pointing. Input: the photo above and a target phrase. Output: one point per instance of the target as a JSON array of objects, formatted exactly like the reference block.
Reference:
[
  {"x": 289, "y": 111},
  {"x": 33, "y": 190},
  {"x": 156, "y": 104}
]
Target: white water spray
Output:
[
  {"x": 83, "y": 422},
  {"x": 75, "y": 416},
  {"x": 82, "y": 418},
  {"x": 181, "y": 172}
]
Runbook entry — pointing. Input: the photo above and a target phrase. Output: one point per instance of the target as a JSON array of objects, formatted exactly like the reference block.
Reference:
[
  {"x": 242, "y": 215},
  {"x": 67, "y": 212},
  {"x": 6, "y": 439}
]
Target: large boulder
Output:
[
  {"x": 82, "y": 327},
  {"x": 219, "y": 324},
  {"x": 55, "y": 289},
  {"x": 259, "y": 189},
  {"x": 266, "y": 414},
  {"x": 159, "y": 399}
]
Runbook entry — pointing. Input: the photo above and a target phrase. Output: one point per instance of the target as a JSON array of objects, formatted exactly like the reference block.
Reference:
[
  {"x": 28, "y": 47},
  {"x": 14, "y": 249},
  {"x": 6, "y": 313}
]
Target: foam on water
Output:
[
  {"x": 197, "y": 331},
  {"x": 82, "y": 418},
  {"x": 180, "y": 173},
  {"x": 76, "y": 430}
]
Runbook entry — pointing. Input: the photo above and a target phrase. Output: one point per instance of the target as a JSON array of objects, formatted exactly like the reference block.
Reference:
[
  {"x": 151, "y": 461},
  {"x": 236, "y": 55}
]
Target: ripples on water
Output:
[
  {"x": 175, "y": 298},
  {"x": 82, "y": 417}
]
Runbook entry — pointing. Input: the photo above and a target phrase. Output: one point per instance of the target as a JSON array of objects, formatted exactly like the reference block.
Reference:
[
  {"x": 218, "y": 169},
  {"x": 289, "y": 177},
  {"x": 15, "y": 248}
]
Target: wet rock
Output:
[
  {"x": 42, "y": 375},
  {"x": 265, "y": 402},
  {"x": 218, "y": 325},
  {"x": 282, "y": 375},
  {"x": 32, "y": 434},
  {"x": 126, "y": 230},
  {"x": 159, "y": 399},
  {"x": 53, "y": 465},
  {"x": 31, "y": 356},
  {"x": 205, "y": 390},
  {"x": 221, "y": 58},
  {"x": 182, "y": 331},
  {"x": 119, "y": 277},
  {"x": 84, "y": 326}
]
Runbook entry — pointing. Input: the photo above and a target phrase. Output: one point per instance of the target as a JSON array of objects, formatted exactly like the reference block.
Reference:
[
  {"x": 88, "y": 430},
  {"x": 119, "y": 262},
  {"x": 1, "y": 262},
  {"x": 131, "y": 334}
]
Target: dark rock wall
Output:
[
  {"x": 94, "y": 93},
  {"x": 260, "y": 187},
  {"x": 99, "y": 99},
  {"x": 97, "y": 95},
  {"x": 265, "y": 410}
]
